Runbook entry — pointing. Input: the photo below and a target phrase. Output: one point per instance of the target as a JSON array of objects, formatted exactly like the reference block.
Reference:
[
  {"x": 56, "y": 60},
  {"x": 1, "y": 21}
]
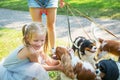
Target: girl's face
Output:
[{"x": 37, "y": 41}]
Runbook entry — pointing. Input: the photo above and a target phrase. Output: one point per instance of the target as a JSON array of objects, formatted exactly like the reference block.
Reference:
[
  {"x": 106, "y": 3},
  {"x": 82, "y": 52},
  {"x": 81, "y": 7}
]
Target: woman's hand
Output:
[{"x": 62, "y": 4}]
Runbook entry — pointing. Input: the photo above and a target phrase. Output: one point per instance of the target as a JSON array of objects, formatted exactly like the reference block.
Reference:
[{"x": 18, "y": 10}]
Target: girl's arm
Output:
[
  {"x": 49, "y": 64},
  {"x": 25, "y": 53},
  {"x": 33, "y": 56}
]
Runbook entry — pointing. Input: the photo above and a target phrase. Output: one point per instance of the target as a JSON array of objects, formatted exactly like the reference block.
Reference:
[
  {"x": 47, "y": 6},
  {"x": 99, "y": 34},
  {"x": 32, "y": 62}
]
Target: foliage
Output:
[{"x": 92, "y": 8}]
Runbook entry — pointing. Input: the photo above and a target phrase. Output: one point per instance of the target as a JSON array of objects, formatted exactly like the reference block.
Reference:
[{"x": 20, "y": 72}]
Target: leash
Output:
[
  {"x": 69, "y": 27},
  {"x": 68, "y": 21},
  {"x": 91, "y": 20},
  {"x": 85, "y": 16},
  {"x": 43, "y": 6},
  {"x": 69, "y": 31},
  {"x": 79, "y": 23}
]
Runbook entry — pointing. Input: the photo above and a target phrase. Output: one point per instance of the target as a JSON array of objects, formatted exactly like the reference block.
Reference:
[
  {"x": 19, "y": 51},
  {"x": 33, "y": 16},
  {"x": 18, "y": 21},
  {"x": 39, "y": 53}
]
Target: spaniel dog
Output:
[
  {"x": 108, "y": 47},
  {"x": 85, "y": 49},
  {"x": 75, "y": 69},
  {"x": 108, "y": 69},
  {"x": 63, "y": 55}
]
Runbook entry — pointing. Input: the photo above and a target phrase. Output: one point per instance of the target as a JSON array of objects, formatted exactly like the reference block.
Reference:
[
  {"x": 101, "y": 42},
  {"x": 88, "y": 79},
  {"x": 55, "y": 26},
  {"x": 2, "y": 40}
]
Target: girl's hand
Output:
[
  {"x": 60, "y": 67},
  {"x": 62, "y": 4}
]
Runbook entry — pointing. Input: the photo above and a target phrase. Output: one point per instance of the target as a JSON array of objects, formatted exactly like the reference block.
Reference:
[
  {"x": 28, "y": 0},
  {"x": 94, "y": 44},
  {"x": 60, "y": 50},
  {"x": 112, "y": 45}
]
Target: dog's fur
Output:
[
  {"x": 108, "y": 46},
  {"x": 63, "y": 55},
  {"x": 85, "y": 49},
  {"x": 81, "y": 69},
  {"x": 108, "y": 69},
  {"x": 84, "y": 73}
]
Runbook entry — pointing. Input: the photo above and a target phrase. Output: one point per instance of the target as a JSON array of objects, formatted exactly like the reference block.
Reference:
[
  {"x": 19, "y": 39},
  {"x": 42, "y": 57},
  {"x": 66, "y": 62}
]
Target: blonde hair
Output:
[{"x": 30, "y": 29}]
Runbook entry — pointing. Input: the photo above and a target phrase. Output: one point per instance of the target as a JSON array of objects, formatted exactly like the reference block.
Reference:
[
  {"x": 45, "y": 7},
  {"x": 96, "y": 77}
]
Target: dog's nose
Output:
[
  {"x": 96, "y": 71},
  {"x": 95, "y": 47}
]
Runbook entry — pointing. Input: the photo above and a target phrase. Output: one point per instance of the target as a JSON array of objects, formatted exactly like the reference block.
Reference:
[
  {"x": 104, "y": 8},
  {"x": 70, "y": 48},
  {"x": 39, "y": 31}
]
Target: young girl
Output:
[{"x": 29, "y": 62}]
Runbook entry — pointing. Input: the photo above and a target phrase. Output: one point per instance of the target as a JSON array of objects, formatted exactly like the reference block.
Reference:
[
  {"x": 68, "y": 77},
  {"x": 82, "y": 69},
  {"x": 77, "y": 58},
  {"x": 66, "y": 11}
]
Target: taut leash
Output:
[{"x": 85, "y": 16}]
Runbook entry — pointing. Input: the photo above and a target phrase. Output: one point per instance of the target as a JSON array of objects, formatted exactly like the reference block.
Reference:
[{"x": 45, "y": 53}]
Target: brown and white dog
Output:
[
  {"x": 108, "y": 46},
  {"x": 63, "y": 55},
  {"x": 85, "y": 49},
  {"x": 82, "y": 70}
]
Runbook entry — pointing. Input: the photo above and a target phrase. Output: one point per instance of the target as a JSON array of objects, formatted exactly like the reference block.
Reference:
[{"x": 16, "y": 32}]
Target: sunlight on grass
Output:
[{"x": 9, "y": 40}]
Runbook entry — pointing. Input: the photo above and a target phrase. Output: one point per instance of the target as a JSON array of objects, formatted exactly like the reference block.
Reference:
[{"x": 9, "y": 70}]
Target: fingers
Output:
[{"x": 62, "y": 4}]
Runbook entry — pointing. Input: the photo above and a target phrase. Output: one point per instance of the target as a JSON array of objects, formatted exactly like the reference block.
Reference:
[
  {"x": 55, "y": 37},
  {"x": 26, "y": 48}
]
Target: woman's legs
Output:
[
  {"x": 35, "y": 14},
  {"x": 51, "y": 19}
]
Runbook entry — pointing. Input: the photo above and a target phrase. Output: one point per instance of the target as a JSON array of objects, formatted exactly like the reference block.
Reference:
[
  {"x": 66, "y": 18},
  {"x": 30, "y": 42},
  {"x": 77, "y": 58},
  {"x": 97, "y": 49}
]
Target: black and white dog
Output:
[
  {"x": 85, "y": 49},
  {"x": 108, "y": 69}
]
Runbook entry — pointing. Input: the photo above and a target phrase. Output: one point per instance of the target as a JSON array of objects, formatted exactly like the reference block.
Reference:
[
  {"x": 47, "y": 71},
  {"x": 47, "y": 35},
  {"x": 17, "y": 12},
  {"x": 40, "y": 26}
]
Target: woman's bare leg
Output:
[
  {"x": 35, "y": 14},
  {"x": 51, "y": 19}
]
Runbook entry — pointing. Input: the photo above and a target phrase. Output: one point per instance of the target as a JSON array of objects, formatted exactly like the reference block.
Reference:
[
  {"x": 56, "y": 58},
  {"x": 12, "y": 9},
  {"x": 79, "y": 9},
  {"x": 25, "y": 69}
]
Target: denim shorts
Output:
[{"x": 46, "y": 3}]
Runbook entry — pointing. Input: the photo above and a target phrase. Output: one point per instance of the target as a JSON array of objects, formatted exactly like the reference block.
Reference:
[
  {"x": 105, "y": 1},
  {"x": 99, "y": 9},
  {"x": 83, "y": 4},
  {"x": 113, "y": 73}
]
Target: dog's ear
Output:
[
  {"x": 100, "y": 40},
  {"x": 77, "y": 68}
]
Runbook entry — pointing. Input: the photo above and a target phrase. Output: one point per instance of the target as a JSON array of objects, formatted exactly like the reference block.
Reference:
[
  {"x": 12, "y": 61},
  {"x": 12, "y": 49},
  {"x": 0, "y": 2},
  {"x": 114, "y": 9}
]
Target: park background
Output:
[{"x": 10, "y": 38}]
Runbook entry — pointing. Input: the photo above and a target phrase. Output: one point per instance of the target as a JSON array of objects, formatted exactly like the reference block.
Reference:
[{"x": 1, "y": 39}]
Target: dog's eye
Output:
[
  {"x": 101, "y": 69},
  {"x": 97, "y": 65},
  {"x": 90, "y": 46}
]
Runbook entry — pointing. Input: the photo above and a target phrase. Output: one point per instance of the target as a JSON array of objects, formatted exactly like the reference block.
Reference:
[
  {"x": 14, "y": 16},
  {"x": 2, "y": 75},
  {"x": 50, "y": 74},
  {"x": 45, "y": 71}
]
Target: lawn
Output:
[
  {"x": 92, "y": 8},
  {"x": 9, "y": 40}
]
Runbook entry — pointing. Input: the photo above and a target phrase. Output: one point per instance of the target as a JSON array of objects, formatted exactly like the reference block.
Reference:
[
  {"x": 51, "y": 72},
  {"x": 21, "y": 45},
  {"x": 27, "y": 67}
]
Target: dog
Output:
[
  {"x": 108, "y": 69},
  {"x": 85, "y": 49},
  {"x": 108, "y": 47},
  {"x": 80, "y": 68},
  {"x": 63, "y": 55}
]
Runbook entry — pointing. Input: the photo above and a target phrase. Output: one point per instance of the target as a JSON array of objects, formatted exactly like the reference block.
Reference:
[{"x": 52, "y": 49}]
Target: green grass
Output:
[
  {"x": 9, "y": 39},
  {"x": 93, "y": 8}
]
